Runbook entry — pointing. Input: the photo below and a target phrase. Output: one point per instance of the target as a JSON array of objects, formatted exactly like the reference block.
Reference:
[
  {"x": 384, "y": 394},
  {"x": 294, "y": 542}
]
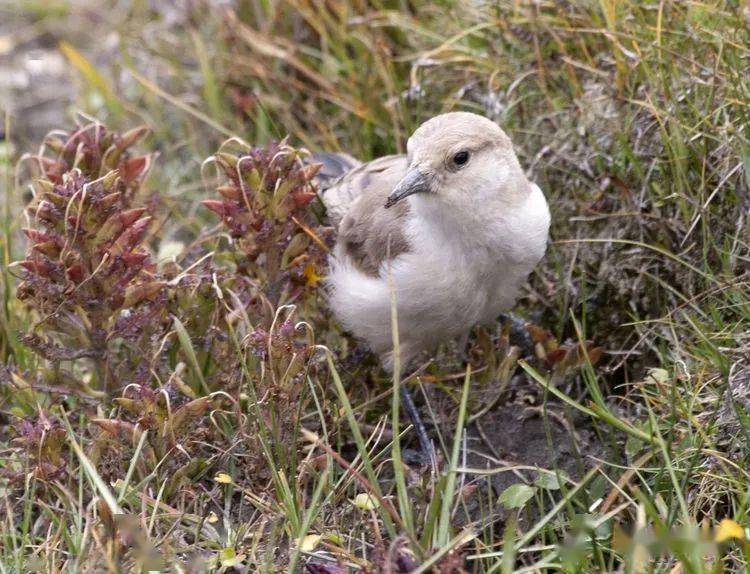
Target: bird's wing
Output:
[
  {"x": 332, "y": 167},
  {"x": 367, "y": 231},
  {"x": 364, "y": 179}
]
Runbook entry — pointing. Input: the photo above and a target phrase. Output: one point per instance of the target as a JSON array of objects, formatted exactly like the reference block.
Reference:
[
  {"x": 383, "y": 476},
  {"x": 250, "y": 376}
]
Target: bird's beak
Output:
[{"x": 413, "y": 182}]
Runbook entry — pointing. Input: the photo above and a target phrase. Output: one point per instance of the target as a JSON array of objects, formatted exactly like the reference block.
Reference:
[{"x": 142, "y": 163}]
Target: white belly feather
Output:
[{"x": 446, "y": 284}]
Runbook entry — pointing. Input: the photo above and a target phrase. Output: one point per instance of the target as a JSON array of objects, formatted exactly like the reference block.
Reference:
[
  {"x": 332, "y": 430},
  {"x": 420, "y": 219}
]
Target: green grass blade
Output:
[
  {"x": 187, "y": 345},
  {"x": 444, "y": 525}
]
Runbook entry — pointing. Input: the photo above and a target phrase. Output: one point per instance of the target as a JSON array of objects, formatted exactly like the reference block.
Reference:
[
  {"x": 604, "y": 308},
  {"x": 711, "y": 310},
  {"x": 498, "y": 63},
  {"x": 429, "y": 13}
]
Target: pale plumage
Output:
[{"x": 462, "y": 230}]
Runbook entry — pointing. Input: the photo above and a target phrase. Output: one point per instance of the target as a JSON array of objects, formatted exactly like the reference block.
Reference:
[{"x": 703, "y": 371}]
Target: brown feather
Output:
[{"x": 367, "y": 231}]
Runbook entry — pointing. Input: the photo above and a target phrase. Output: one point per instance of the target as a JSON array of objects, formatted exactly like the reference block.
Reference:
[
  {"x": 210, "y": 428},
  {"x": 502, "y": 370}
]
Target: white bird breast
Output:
[{"x": 450, "y": 281}]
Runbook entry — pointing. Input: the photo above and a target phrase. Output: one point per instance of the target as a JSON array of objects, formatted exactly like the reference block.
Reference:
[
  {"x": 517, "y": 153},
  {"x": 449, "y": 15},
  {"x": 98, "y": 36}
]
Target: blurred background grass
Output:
[{"x": 631, "y": 116}]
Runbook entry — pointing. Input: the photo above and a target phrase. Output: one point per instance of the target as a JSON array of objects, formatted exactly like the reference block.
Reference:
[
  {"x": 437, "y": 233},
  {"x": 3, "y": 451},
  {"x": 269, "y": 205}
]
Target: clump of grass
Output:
[{"x": 328, "y": 75}]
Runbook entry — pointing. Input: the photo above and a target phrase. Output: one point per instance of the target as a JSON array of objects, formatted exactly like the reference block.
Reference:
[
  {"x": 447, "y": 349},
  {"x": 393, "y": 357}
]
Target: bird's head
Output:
[{"x": 459, "y": 158}]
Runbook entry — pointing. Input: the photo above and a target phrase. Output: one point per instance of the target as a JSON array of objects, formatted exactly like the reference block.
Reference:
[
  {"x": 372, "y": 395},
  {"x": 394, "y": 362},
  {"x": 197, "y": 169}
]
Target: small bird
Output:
[{"x": 451, "y": 229}]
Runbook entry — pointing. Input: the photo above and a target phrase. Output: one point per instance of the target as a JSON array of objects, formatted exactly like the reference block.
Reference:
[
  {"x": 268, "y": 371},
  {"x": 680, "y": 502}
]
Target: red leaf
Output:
[
  {"x": 218, "y": 207},
  {"x": 131, "y": 216},
  {"x": 142, "y": 292},
  {"x": 130, "y": 237},
  {"x": 230, "y": 192},
  {"x": 555, "y": 356},
  {"x": 132, "y": 136},
  {"x": 117, "y": 429},
  {"x": 36, "y": 235},
  {"x": 135, "y": 259},
  {"x": 50, "y": 248},
  {"x": 39, "y": 266},
  {"x": 135, "y": 167},
  {"x": 75, "y": 273}
]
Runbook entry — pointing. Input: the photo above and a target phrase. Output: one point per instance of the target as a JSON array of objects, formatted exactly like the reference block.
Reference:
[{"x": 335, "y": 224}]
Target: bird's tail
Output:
[{"x": 334, "y": 166}]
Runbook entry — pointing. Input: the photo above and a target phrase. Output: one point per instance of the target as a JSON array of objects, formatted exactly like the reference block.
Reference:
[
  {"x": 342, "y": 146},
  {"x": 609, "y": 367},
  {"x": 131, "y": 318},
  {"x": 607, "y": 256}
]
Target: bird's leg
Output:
[
  {"x": 463, "y": 345},
  {"x": 426, "y": 448},
  {"x": 518, "y": 333},
  {"x": 425, "y": 444}
]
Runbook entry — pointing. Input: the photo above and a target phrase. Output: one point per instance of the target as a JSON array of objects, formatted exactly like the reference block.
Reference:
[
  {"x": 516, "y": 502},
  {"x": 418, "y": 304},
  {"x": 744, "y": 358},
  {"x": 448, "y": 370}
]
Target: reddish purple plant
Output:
[
  {"x": 42, "y": 439},
  {"x": 285, "y": 354},
  {"x": 86, "y": 272},
  {"x": 266, "y": 205}
]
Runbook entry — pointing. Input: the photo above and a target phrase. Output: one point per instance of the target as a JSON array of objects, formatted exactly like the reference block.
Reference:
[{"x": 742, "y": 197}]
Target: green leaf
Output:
[
  {"x": 187, "y": 346},
  {"x": 548, "y": 481},
  {"x": 229, "y": 558},
  {"x": 517, "y": 495},
  {"x": 90, "y": 469}
]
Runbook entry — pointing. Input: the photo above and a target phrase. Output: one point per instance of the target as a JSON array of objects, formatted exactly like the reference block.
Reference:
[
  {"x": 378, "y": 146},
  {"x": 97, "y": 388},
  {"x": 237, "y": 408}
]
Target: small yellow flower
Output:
[
  {"x": 310, "y": 542},
  {"x": 728, "y": 529},
  {"x": 364, "y": 501},
  {"x": 223, "y": 478},
  {"x": 311, "y": 275}
]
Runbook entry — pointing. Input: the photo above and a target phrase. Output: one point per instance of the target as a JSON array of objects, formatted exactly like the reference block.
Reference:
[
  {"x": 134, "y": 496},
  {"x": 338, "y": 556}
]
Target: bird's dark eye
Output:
[{"x": 461, "y": 158}]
